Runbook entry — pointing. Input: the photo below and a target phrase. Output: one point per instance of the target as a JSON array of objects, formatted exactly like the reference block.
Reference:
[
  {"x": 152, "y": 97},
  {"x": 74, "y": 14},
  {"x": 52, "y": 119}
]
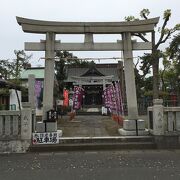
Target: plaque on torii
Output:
[{"x": 50, "y": 45}]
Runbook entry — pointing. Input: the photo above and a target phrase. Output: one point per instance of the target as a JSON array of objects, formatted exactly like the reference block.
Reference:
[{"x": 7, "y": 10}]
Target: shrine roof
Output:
[
  {"x": 92, "y": 72},
  {"x": 104, "y": 69},
  {"x": 38, "y": 72}
]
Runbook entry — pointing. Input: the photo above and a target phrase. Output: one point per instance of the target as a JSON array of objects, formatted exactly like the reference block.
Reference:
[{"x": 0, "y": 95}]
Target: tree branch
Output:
[
  {"x": 137, "y": 63},
  {"x": 165, "y": 39},
  {"x": 162, "y": 33},
  {"x": 140, "y": 36},
  {"x": 144, "y": 16}
]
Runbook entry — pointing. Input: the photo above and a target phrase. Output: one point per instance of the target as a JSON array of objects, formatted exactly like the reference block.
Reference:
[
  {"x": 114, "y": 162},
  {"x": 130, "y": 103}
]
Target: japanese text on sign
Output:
[{"x": 45, "y": 138}]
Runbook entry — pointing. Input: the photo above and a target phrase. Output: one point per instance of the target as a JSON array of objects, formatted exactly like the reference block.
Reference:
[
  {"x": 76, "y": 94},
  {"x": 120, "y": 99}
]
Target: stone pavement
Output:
[{"x": 88, "y": 126}]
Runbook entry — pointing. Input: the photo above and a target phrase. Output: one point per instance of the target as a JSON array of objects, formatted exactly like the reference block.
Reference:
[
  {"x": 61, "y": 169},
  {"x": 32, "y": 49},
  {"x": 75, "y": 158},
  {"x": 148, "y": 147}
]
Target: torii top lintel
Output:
[{"x": 42, "y": 27}]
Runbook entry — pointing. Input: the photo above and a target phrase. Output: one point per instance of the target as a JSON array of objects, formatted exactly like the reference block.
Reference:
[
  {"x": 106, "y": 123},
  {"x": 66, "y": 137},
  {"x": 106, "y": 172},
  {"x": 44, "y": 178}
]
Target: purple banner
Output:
[
  {"x": 106, "y": 98},
  {"x": 77, "y": 97},
  {"x": 38, "y": 93},
  {"x": 113, "y": 99},
  {"x": 119, "y": 103}
]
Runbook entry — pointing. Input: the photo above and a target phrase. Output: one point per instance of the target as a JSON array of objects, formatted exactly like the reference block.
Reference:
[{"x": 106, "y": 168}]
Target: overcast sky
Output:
[{"x": 12, "y": 37}]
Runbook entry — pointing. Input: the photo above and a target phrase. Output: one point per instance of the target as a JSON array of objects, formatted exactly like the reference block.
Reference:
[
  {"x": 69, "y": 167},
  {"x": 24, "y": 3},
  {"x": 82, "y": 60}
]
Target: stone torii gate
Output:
[{"x": 50, "y": 45}]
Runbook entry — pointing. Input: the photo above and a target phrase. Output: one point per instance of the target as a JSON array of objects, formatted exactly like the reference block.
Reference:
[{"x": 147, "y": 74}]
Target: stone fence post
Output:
[
  {"x": 31, "y": 90},
  {"x": 32, "y": 97},
  {"x": 158, "y": 119},
  {"x": 26, "y": 123}
]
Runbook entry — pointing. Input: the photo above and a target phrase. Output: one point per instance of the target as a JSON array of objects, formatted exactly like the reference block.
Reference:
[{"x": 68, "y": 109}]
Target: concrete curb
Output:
[{"x": 97, "y": 143}]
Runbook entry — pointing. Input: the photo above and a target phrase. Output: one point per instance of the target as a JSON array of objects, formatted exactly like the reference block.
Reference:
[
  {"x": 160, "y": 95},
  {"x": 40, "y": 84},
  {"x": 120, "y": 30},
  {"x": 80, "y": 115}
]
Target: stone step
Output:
[
  {"x": 106, "y": 139},
  {"x": 87, "y": 113},
  {"x": 97, "y": 143},
  {"x": 93, "y": 146}
]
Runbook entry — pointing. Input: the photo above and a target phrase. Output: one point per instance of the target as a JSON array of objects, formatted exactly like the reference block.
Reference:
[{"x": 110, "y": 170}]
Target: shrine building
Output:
[{"x": 93, "y": 79}]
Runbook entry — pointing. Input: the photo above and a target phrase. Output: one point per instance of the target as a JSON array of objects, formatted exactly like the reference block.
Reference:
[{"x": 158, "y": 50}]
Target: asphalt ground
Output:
[{"x": 92, "y": 165}]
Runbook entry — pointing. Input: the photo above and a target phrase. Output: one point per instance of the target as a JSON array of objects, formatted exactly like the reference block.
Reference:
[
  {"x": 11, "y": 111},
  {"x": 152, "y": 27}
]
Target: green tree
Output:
[
  {"x": 143, "y": 83},
  {"x": 5, "y": 69},
  {"x": 19, "y": 63},
  {"x": 172, "y": 74},
  {"x": 171, "y": 79},
  {"x": 65, "y": 58},
  {"x": 152, "y": 60},
  {"x": 11, "y": 69},
  {"x": 60, "y": 71},
  {"x": 174, "y": 48}
]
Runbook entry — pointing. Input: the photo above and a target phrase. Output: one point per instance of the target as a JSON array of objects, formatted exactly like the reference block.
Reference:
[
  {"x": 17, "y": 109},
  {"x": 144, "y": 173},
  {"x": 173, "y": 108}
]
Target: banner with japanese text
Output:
[
  {"x": 66, "y": 97},
  {"x": 106, "y": 98},
  {"x": 113, "y": 101},
  {"x": 118, "y": 95},
  {"x": 77, "y": 97}
]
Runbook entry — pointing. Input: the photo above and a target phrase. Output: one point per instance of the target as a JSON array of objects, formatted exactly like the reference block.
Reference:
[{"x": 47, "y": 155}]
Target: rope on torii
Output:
[{"x": 85, "y": 59}]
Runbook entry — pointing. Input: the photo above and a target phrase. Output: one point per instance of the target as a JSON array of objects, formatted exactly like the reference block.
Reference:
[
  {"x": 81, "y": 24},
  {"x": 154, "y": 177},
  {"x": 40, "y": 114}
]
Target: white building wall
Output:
[{"x": 13, "y": 100}]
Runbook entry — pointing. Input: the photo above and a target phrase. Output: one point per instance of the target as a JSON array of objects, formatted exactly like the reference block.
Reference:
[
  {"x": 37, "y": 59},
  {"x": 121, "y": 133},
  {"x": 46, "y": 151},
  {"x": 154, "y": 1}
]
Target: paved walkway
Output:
[{"x": 88, "y": 126}]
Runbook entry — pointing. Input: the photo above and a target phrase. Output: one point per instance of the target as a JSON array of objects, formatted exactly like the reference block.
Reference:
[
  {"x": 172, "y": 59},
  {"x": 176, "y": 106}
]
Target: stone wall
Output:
[
  {"x": 164, "y": 120},
  {"x": 14, "y": 146},
  {"x": 164, "y": 124},
  {"x": 15, "y": 130}
]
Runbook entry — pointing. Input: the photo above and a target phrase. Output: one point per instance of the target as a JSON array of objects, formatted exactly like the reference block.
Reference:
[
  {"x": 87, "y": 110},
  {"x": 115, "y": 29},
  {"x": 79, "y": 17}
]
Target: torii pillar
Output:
[
  {"x": 49, "y": 73},
  {"x": 129, "y": 77},
  {"x": 133, "y": 125}
]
